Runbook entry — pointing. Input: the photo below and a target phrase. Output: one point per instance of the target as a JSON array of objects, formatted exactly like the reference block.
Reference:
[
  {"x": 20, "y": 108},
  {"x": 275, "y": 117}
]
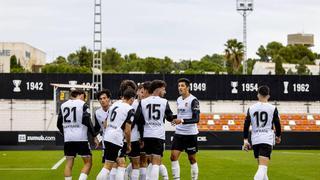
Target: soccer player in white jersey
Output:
[
  {"x": 74, "y": 123},
  {"x": 119, "y": 121},
  {"x": 101, "y": 114},
  {"x": 154, "y": 110},
  {"x": 145, "y": 160},
  {"x": 263, "y": 117},
  {"x": 133, "y": 169},
  {"x": 185, "y": 137}
]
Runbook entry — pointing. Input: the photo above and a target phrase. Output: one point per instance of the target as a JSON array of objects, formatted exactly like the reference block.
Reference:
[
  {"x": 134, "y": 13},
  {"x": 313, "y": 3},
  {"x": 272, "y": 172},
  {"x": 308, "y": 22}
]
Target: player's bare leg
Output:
[
  {"x": 175, "y": 154},
  {"x": 87, "y": 160},
  {"x": 135, "y": 161},
  {"x": 68, "y": 167},
  {"x": 143, "y": 166},
  {"x": 261, "y": 173},
  {"x": 194, "y": 166}
]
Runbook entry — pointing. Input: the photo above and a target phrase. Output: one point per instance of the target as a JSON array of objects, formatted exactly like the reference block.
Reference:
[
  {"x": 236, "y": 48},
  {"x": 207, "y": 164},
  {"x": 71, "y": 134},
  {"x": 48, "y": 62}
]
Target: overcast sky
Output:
[{"x": 180, "y": 29}]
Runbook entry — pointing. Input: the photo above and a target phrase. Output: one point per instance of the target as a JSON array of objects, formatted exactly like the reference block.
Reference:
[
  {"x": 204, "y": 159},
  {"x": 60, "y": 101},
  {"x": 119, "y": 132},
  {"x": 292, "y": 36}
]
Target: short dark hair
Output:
[
  {"x": 103, "y": 91},
  {"x": 185, "y": 80},
  {"x": 155, "y": 84},
  {"x": 125, "y": 84},
  {"x": 129, "y": 93},
  {"x": 76, "y": 92},
  {"x": 140, "y": 86},
  {"x": 146, "y": 86},
  {"x": 264, "y": 90}
]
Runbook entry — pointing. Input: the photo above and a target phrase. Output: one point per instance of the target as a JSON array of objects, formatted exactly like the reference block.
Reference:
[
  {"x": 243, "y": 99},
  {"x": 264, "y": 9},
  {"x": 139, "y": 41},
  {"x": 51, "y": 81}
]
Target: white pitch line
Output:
[
  {"x": 24, "y": 169},
  {"x": 54, "y": 167}
]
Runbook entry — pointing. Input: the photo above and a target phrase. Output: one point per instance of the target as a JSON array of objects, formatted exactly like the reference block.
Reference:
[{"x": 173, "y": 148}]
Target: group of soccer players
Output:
[{"x": 133, "y": 127}]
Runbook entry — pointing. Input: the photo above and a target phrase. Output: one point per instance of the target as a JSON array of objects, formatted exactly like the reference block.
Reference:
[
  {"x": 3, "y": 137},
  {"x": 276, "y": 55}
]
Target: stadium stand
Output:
[
  {"x": 234, "y": 122},
  {"x": 32, "y": 115}
]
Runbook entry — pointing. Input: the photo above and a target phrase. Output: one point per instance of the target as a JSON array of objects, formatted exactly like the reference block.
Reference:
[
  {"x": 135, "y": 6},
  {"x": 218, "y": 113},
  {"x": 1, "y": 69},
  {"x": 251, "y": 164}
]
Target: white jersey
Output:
[
  {"x": 186, "y": 108},
  {"x": 261, "y": 117},
  {"x": 135, "y": 135},
  {"x": 100, "y": 117},
  {"x": 72, "y": 112},
  {"x": 118, "y": 114},
  {"x": 154, "y": 110}
]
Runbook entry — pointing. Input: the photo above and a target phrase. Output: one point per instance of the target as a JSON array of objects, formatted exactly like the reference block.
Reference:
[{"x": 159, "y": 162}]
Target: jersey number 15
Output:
[{"x": 154, "y": 111}]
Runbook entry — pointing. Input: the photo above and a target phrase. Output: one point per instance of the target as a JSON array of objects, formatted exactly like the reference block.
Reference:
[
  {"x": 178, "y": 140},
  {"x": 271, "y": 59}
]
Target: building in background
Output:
[
  {"x": 264, "y": 68},
  {"x": 301, "y": 38},
  {"x": 31, "y": 58}
]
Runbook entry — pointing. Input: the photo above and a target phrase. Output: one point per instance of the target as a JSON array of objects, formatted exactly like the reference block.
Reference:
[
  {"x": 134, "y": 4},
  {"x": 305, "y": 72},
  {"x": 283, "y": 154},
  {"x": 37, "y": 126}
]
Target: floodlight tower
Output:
[
  {"x": 97, "y": 48},
  {"x": 244, "y": 7}
]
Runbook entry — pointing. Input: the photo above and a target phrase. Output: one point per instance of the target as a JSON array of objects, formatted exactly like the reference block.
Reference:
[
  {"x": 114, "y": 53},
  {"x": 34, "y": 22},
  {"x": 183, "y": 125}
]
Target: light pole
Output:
[
  {"x": 97, "y": 48},
  {"x": 244, "y": 7}
]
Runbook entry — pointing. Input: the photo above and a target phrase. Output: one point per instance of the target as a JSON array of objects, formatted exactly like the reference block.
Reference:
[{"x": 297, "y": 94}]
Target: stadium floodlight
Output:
[{"x": 244, "y": 7}]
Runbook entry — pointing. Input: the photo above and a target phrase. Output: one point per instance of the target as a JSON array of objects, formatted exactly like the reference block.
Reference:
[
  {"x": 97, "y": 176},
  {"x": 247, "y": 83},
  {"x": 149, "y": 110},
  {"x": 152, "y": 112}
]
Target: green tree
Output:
[
  {"x": 15, "y": 66},
  {"x": 60, "y": 65},
  {"x": 290, "y": 72},
  {"x": 262, "y": 53},
  {"x": 302, "y": 69},
  {"x": 273, "y": 49},
  {"x": 279, "y": 70},
  {"x": 166, "y": 66},
  {"x": 111, "y": 60},
  {"x": 60, "y": 60},
  {"x": 234, "y": 55},
  {"x": 250, "y": 64}
]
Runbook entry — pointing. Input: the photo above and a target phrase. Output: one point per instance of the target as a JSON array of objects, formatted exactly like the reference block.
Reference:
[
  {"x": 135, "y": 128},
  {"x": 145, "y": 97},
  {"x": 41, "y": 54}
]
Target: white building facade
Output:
[
  {"x": 31, "y": 58},
  {"x": 263, "y": 68}
]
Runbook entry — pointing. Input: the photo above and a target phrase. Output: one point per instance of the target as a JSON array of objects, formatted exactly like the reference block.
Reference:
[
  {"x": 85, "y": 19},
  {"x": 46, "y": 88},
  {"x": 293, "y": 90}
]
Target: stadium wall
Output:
[
  {"x": 50, "y": 140},
  {"x": 204, "y": 87}
]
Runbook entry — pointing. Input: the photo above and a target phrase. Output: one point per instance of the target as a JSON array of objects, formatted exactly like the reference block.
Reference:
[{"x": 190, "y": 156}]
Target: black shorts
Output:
[
  {"x": 111, "y": 151},
  {"x": 188, "y": 143},
  {"x": 135, "y": 149},
  {"x": 142, "y": 150},
  {"x": 262, "y": 150},
  {"x": 81, "y": 148},
  {"x": 103, "y": 158},
  {"x": 153, "y": 146}
]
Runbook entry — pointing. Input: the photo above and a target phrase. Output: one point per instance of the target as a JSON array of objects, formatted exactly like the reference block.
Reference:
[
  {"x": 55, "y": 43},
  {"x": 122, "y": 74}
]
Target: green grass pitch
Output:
[{"x": 213, "y": 164}]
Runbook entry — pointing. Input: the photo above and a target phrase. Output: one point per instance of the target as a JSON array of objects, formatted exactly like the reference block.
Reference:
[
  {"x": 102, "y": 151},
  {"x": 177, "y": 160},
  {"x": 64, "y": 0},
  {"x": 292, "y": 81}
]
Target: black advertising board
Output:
[
  {"x": 205, "y": 87},
  {"x": 206, "y": 140}
]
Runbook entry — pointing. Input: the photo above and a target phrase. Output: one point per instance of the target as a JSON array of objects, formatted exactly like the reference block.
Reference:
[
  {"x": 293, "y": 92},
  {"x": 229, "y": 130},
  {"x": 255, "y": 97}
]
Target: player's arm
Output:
[
  {"x": 86, "y": 120},
  {"x": 127, "y": 129},
  {"x": 97, "y": 126},
  {"x": 168, "y": 113},
  {"x": 60, "y": 121},
  {"x": 195, "y": 107},
  {"x": 246, "y": 126},
  {"x": 97, "y": 129},
  {"x": 277, "y": 125},
  {"x": 139, "y": 120}
]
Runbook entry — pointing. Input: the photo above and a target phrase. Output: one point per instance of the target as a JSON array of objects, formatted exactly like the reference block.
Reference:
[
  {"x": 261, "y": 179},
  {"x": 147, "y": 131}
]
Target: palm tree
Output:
[{"x": 234, "y": 54}]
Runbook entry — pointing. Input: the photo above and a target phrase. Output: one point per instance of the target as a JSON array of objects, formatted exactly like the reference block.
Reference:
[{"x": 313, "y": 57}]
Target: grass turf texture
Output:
[{"x": 215, "y": 164}]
